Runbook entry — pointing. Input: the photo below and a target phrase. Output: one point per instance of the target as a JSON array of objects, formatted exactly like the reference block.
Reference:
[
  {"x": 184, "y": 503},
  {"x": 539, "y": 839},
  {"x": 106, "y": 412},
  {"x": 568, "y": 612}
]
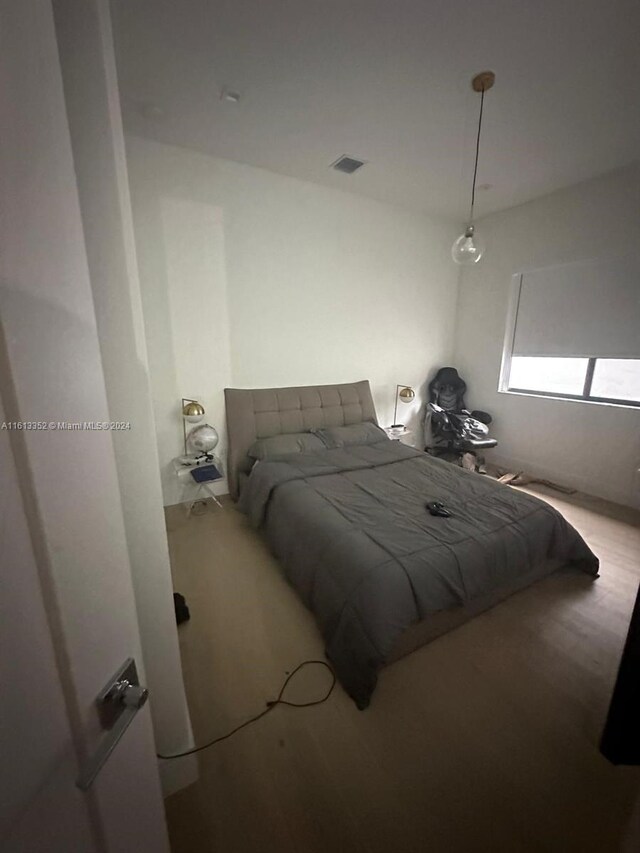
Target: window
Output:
[
  {"x": 616, "y": 379},
  {"x": 574, "y": 332},
  {"x": 602, "y": 380},
  {"x": 556, "y": 375}
]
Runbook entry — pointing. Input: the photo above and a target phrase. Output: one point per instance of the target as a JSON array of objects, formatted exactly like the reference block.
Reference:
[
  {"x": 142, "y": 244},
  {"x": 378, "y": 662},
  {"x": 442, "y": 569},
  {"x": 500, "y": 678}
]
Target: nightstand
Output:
[
  {"x": 192, "y": 492},
  {"x": 401, "y": 434}
]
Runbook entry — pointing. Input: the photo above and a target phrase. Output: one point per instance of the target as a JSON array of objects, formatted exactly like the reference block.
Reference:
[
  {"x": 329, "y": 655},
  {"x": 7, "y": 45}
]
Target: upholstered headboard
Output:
[{"x": 263, "y": 412}]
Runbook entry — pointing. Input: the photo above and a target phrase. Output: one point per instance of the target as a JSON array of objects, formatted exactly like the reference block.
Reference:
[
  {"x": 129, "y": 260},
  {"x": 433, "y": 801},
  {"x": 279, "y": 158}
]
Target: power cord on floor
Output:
[{"x": 270, "y": 706}]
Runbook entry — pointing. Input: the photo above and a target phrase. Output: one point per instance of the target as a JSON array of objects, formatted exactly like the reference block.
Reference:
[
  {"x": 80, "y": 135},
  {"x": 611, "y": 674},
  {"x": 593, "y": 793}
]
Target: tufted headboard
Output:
[{"x": 263, "y": 412}]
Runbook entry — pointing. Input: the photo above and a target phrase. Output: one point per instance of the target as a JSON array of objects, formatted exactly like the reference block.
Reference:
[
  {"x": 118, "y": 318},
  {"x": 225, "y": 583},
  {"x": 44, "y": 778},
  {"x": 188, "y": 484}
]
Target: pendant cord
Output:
[{"x": 475, "y": 168}]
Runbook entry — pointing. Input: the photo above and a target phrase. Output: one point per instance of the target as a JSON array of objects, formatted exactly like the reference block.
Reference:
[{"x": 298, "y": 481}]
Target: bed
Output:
[{"x": 343, "y": 508}]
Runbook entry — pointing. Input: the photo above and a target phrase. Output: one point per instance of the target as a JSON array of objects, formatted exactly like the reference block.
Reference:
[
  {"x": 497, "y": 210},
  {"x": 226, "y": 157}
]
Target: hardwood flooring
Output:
[{"x": 484, "y": 740}]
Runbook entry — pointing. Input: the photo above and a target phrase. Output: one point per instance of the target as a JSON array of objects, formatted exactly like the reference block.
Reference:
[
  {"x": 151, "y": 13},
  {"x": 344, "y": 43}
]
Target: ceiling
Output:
[{"x": 388, "y": 81}]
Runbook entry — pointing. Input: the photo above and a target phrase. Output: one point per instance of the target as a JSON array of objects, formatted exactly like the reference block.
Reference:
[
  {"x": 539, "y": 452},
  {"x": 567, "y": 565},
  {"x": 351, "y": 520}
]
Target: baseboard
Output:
[
  {"x": 179, "y": 773},
  {"x": 570, "y": 479}
]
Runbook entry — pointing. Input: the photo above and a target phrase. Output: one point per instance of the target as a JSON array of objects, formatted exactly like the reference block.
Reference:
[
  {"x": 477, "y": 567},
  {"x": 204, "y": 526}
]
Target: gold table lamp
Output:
[
  {"x": 192, "y": 413},
  {"x": 405, "y": 394}
]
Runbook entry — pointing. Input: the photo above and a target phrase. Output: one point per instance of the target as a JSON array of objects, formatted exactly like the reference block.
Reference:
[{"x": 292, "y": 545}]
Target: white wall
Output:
[
  {"x": 93, "y": 109},
  {"x": 252, "y": 279},
  {"x": 592, "y": 447}
]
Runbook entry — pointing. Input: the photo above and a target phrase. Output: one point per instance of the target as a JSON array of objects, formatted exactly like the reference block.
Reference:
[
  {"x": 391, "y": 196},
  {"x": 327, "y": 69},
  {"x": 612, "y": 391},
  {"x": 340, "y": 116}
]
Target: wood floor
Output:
[{"x": 485, "y": 740}]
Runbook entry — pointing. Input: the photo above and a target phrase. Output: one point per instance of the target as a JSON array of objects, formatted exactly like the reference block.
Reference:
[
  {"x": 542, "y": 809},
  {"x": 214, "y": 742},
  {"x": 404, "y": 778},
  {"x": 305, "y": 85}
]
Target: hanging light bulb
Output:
[{"x": 469, "y": 248}]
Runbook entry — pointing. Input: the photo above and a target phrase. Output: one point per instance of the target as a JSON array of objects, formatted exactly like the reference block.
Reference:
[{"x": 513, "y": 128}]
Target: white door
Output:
[{"x": 67, "y": 618}]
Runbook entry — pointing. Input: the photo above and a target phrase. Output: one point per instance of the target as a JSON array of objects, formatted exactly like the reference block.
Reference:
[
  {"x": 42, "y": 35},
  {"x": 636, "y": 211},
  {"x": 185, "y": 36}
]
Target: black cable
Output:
[
  {"x": 270, "y": 706},
  {"x": 475, "y": 168}
]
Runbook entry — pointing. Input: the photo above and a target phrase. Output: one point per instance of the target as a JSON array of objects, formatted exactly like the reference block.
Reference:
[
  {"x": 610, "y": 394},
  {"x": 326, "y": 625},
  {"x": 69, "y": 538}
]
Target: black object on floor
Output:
[
  {"x": 620, "y": 741},
  {"x": 180, "y": 605},
  {"x": 438, "y": 508}
]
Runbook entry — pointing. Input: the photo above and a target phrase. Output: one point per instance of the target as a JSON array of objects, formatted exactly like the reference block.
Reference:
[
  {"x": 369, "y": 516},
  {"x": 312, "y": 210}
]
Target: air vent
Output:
[{"x": 348, "y": 165}]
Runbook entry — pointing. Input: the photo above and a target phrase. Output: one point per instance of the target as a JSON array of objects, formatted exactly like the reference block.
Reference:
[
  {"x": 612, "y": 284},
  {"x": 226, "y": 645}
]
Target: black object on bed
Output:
[{"x": 350, "y": 527}]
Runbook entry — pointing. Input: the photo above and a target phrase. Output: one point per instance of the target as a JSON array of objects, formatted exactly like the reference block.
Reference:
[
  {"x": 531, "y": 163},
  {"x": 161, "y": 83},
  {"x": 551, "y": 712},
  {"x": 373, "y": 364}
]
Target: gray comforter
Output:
[{"x": 356, "y": 541}]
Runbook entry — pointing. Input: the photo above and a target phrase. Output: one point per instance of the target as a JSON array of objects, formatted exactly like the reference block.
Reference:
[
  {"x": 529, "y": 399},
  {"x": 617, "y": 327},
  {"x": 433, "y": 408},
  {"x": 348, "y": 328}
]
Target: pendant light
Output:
[{"x": 469, "y": 248}]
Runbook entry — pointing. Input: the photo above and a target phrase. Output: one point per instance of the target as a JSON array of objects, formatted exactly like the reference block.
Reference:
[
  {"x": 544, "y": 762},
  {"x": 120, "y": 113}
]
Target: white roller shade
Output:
[{"x": 590, "y": 308}]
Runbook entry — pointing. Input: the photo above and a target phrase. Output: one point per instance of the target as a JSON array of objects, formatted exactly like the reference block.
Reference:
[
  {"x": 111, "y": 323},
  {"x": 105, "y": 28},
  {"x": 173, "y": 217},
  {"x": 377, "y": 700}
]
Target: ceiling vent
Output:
[{"x": 348, "y": 165}]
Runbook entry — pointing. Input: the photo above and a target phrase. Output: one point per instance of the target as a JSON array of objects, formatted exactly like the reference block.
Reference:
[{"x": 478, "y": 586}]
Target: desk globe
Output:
[{"x": 202, "y": 440}]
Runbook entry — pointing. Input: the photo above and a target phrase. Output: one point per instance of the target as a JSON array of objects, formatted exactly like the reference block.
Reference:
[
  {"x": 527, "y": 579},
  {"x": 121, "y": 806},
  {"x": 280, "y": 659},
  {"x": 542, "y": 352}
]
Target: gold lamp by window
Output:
[
  {"x": 192, "y": 413},
  {"x": 405, "y": 394}
]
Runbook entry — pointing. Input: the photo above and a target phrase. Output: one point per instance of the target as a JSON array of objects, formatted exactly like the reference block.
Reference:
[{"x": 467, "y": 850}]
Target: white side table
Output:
[
  {"x": 193, "y": 492},
  {"x": 401, "y": 434}
]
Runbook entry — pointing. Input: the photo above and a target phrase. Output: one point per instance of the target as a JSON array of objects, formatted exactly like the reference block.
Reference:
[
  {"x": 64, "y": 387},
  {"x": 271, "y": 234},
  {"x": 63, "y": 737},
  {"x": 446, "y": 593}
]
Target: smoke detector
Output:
[{"x": 347, "y": 165}]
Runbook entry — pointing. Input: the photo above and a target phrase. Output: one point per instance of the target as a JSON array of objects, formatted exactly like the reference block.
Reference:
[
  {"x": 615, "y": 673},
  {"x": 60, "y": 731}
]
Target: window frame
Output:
[{"x": 507, "y": 354}]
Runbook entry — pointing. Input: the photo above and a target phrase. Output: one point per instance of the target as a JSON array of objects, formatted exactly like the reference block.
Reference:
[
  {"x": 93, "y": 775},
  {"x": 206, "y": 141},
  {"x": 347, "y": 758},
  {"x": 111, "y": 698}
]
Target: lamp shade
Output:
[
  {"x": 192, "y": 412},
  {"x": 407, "y": 394}
]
